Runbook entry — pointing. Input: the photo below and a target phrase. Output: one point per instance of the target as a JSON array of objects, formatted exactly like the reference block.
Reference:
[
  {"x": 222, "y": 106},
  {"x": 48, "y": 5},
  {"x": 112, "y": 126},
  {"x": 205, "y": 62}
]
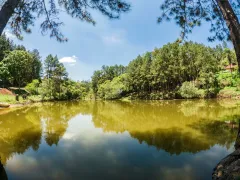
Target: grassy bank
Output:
[{"x": 12, "y": 99}]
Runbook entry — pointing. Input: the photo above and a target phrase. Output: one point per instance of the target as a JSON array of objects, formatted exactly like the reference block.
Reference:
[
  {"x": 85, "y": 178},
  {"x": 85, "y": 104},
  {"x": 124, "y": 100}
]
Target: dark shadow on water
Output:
[
  {"x": 218, "y": 132},
  {"x": 3, "y": 174},
  {"x": 229, "y": 167},
  {"x": 224, "y": 132},
  {"x": 172, "y": 141}
]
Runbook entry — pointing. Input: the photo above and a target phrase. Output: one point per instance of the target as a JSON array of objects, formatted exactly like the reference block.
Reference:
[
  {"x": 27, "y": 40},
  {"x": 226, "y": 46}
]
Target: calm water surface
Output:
[{"x": 117, "y": 140}]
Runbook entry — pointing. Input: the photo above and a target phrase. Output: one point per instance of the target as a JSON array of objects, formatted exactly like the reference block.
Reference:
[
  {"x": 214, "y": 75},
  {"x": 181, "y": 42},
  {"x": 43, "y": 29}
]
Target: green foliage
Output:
[
  {"x": 25, "y": 14},
  {"x": 70, "y": 90},
  {"x": 106, "y": 73},
  {"x": 113, "y": 89},
  {"x": 36, "y": 65},
  {"x": 46, "y": 89},
  {"x": 4, "y": 74},
  {"x": 228, "y": 57},
  {"x": 228, "y": 79},
  {"x": 190, "y": 14},
  {"x": 55, "y": 77},
  {"x": 7, "y": 98},
  {"x": 19, "y": 66},
  {"x": 56, "y": 84},
  {"x": 161, "y": 73},
  {"x": 10, "y": 99},
  {"x": 32, "y": 87},
  {"x": 188, "y": 90},
  {"x": 5, "y": 46},
  {"x": 18, "y": 63},
  {"x": 229, "y": 92},
  {"x": 85, "y": 90},
  {"x": 24, "y": 68}
]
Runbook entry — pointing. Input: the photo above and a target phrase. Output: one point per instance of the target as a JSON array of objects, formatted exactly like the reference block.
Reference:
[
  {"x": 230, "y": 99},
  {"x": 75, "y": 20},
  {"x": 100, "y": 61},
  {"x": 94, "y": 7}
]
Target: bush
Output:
[
  {"x": 32, "y": 87},
  {"x": 188, "y": 90},
  {"x": 46, "y": 89},
  {"x": 229, "y": 92},
  {"x": 71, "y": 90},
  {"x": 201, "y": 93},
  {"x": 211, "y": 92},
  {"x": 112, "y": 89},
  {"x": 226, "y": 79}
]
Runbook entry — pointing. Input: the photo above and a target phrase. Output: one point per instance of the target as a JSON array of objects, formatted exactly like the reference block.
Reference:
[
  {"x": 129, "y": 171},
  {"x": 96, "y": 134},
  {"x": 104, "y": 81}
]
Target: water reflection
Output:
[
  {"x": 19, "y": 131},
  {"x": 229, "y": 167},
  {"x": 24, "y": 128},
  {"x": 162, "y": 125},
  {"x": 117, "y": 140}
]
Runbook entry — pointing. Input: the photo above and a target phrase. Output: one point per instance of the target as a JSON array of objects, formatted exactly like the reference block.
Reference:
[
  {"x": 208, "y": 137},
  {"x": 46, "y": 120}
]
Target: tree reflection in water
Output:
[
  {"x": 191, "y": 127},
  {"x": 19, "y": 131},
  {"x": 229, "y": 167},
  {"x": 23, "y": 128},
  {"x": 173, "y": 126}
]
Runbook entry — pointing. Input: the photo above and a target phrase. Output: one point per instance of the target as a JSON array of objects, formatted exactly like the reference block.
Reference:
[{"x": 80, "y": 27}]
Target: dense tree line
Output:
[
  {"x": 17, "y": 65},
  {"x": 176, "y": 70},
  {"x": 106, "y": 73},
  {"x": 48, "y": 79},
  {"x": 164, "y": 73},
  {"x": 222, "y": 15}
]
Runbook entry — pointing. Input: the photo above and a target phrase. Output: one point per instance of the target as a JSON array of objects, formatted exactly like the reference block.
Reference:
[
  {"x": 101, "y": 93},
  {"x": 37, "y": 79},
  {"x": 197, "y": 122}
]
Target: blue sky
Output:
[{"x": 110, "y": 41}]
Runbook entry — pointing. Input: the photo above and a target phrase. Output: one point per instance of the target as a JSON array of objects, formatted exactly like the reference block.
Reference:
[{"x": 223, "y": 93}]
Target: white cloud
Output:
[
  {"x": 77, "y": 69},
  {"x": 69, "y": 60}
]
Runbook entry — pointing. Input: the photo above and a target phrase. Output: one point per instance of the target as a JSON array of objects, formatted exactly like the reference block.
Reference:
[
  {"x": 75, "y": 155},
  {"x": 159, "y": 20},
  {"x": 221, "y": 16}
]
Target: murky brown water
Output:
[{"x": 117, "y": 140}]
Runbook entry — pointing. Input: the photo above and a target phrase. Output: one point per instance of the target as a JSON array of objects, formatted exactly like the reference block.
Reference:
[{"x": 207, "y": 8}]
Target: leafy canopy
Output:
[
  {"x": 189, "y": 14},
  {"x": 49, "y": 12},
  {"x": 18, "y": 63}
]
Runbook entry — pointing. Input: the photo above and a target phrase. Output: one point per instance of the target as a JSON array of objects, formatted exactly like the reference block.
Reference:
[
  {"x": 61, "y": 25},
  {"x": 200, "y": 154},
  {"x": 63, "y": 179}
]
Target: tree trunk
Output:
[
  {"x": 6, "y": 12},
  {"x": 233, "y": 26}
]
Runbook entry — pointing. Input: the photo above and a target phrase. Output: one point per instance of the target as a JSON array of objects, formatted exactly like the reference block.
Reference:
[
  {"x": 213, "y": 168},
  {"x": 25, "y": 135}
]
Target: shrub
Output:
[
  {"x": 46, "y": 89},
  {"x": 188, "y": 90},
  {"x": 211, "y": 92},
  {"x": 229, "y": 92},
  {"x": 32, "y": 87},
  {"x": 201, "y": 93},
  {"x": 112, "y": 89}
]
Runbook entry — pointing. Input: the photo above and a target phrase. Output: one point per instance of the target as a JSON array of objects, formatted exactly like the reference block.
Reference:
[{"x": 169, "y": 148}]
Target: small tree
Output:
[
  {"x": 32, "y": 87},
  {"x": 188, "y": 90},
  {"x": 18, "y": 63}
]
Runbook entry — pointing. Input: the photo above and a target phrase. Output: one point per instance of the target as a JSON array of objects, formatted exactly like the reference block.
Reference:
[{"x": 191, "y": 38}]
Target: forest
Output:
[
  {"x": 29, "y": 75},
  {"x": 175, "y": 71}
]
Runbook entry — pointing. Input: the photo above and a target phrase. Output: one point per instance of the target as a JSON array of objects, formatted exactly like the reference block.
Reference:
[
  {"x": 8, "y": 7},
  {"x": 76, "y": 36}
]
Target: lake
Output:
[{"x": 164, "y": 140}]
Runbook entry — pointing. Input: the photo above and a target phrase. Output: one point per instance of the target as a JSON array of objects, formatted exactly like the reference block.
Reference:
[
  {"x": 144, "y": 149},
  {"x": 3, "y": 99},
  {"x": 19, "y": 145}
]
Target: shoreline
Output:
[{"x": 23, "y": 104}]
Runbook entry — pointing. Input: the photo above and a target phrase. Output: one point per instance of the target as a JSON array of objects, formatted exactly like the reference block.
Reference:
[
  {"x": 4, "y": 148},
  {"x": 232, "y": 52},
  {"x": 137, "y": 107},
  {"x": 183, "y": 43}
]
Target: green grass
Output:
[
  {"x": 9, "y": 99},
  {"x": 12, "y": 99}
]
